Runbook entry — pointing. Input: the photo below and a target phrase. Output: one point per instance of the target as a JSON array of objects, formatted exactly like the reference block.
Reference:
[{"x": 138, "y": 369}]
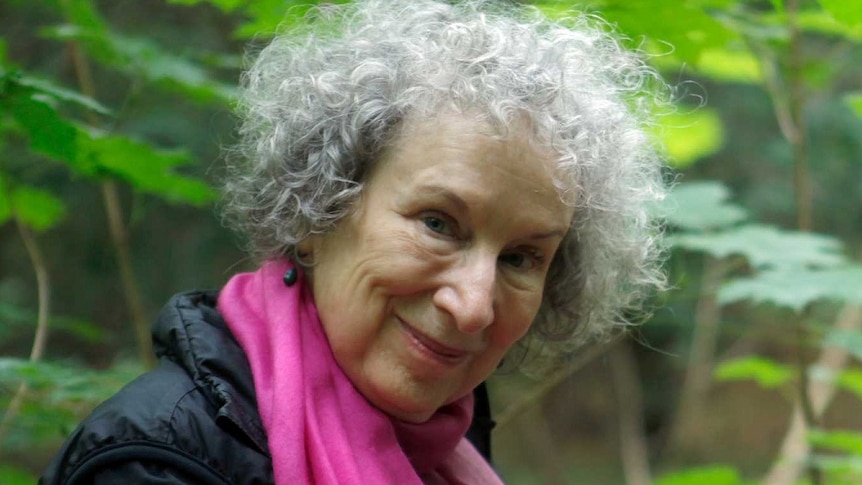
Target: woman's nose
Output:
[{"x": 468, "y": 295}]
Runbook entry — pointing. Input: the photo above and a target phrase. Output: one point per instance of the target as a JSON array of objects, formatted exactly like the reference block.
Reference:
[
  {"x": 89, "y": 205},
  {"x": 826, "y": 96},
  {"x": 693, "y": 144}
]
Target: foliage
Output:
[
  {"x": 714, "y": 475},
  {"x": 765, "y": 372},
  {"x": 60, "y": 394},
  {"x": 15, "y": 476}
]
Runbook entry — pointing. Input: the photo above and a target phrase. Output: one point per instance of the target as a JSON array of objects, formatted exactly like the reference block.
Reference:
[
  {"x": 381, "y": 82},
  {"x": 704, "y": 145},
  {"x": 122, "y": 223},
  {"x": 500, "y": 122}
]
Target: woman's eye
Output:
[
  {"x": 521, "y": 260},
  {"x": 439, "y": 225}
]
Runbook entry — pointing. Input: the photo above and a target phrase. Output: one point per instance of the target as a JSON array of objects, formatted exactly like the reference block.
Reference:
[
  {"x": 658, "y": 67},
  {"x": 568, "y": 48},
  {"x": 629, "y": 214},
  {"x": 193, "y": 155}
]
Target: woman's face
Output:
[{"x": 441, "y": 268}]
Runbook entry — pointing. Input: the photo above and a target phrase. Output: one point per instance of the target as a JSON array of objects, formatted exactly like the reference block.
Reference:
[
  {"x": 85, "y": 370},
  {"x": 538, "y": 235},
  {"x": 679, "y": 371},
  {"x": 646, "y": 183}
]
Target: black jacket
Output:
[{"x": 193, "y": 419}]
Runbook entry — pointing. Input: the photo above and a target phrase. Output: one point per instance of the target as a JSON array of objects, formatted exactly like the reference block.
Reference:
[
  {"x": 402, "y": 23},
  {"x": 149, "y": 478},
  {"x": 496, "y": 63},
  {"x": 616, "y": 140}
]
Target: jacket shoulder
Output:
[{"x": 161, "y": 420}]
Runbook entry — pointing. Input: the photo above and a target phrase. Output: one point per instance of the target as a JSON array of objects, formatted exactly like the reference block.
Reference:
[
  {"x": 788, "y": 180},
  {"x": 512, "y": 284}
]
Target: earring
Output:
[{"x": 290, "y": 277}]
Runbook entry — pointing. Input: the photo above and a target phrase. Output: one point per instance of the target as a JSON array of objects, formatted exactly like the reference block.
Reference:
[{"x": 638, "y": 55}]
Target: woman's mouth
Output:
[{"x": 432, "y": 348}]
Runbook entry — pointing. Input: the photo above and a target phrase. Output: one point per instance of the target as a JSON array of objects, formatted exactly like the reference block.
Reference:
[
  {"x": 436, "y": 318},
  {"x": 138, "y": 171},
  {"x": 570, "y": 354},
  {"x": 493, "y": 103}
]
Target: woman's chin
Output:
[
  {"x": 404, "y": 408},
  {"x": 405, "y": 403}
]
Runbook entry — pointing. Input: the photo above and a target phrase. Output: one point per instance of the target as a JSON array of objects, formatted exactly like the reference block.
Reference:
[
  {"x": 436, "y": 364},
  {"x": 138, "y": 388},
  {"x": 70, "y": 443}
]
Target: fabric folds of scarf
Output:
[{"x": 320, "y": 429}]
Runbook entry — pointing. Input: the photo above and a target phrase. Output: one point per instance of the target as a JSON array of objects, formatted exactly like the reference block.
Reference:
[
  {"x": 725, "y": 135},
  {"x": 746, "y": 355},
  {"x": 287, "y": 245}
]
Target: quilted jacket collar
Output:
[{"x": 191, "y": 332}]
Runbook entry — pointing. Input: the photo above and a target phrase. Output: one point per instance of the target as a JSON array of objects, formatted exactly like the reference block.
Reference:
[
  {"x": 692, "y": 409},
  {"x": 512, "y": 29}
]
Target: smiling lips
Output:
[{"x": 434, "y": 349}]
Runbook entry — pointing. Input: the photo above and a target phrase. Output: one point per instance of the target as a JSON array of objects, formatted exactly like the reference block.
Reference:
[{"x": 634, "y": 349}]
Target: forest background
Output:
[{"x": 112, "y": 117}]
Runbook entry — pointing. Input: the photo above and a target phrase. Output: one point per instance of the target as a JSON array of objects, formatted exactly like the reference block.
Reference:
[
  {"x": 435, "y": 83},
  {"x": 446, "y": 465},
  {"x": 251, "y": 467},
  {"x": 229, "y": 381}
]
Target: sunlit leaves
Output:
[
  {"x": 778, "y": 5},
  {"x": 765, "y": 372},
  {"x": 854, "y": 100},
  {"x": 821, "y": 22},
  {"x": 846, "y": 441},
  {"x": 849, "y": 380},
  {"x": 683, "y": 25},
  {"x": 845, "y": 11},
  {"x": 844, "y": 458},
  {"x": 730, "y": 65},
  {"x": 713, "y": 475},
  {"x": 796, "y": 288},
  {"x": 267, "y": 17},
  {"x": 841, "y": 470},
  {"x": 701, "y": 206},
  {"x": 690, "y": 136}
]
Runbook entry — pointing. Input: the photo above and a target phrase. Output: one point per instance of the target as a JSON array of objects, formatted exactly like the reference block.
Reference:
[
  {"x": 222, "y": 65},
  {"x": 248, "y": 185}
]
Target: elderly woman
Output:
[{"x": 430, "y": 188}]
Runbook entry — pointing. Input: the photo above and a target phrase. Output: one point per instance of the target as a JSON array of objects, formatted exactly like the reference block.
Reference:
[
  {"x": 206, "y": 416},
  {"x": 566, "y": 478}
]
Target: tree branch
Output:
[
  {"x": 43, "y": 287},
  {"x": 118, "y": 230},
  {"x": 629, "y": 396},
  {"x": 795, "y": 448}
]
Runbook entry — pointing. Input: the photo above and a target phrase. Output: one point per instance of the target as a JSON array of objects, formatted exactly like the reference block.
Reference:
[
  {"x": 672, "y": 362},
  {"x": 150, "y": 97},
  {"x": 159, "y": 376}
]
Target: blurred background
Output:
[{"x": 113, "y": 114}]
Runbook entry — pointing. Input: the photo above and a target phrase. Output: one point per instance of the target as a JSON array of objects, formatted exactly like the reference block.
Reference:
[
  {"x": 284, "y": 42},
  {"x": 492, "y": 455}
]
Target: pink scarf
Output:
[{"x": 320, "y": 429}]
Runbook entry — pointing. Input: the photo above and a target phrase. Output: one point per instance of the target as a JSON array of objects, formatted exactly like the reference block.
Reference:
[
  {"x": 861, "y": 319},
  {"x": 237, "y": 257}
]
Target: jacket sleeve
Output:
[
  {"x": 137, "y": 463},
  {"x": 140, "y": 473}
]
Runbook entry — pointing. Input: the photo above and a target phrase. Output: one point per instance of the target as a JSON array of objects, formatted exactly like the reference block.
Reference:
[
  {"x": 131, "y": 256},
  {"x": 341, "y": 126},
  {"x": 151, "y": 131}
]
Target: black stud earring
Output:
[{"x": 290, "y": 277}]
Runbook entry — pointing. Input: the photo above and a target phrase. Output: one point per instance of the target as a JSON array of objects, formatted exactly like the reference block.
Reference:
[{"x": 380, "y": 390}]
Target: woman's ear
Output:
[{"x": 305, "y": 250}]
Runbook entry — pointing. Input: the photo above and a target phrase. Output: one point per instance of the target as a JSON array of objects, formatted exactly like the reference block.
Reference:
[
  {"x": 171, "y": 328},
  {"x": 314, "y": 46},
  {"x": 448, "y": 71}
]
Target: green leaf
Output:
[
  {"x": 142, "y": 58},
  {"x": 701, "y": 206},
  {"x": 223, "y": 5},
  {"x": 83, "y": 13},
  {"x": 49, "y": 133},
  {"x": 677, "y": 23},
  {"x": 847, "y": 12},
  {"x": 94, "y": 40},
  {"x": 848, "y": 340},
  {"x": 713, "y": 475},
  {"x": 148, "y": 59},
  {"x": 845, "y": 440},
  {"x": 766, "y": 247},
  {"x": 822, "y": 22},
  {"x": 266, "y": 17},
  {"x": 778, "y": 5},
  {"x": 37, "y": 208},
  {"x": 855, "y": 102},
  {"x": 67, "y": 381},
  {"x": 766, "y": 372},
  {"x": 728, "y": 65},
  {"x": 62, "y": 94},
  {"x": 16, "y": 319},
  {"x": 850, "y": 467},
  {"x": 144, "y": 167},
  {"x": 849, "y": 380},
  {"x": 688, "y": 137},
  {"x": 796, "y": 288}
]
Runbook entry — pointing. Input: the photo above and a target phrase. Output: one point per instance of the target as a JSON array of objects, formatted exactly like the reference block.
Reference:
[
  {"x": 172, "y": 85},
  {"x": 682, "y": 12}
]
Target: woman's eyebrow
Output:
[
  {"x": 548, "y": 234},
  {"x": 438, "y": 191},
  {"x": 462, "y": 205}
]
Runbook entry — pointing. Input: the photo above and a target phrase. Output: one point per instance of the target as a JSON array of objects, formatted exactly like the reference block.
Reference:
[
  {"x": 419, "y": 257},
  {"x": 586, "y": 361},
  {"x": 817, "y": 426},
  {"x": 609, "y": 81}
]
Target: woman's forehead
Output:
[{"x": 450, "y": 136}]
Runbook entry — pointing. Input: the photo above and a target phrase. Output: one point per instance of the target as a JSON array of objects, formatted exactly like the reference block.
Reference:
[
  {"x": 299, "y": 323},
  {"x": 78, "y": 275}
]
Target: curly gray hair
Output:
[{"x": 319, "y": 104}]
